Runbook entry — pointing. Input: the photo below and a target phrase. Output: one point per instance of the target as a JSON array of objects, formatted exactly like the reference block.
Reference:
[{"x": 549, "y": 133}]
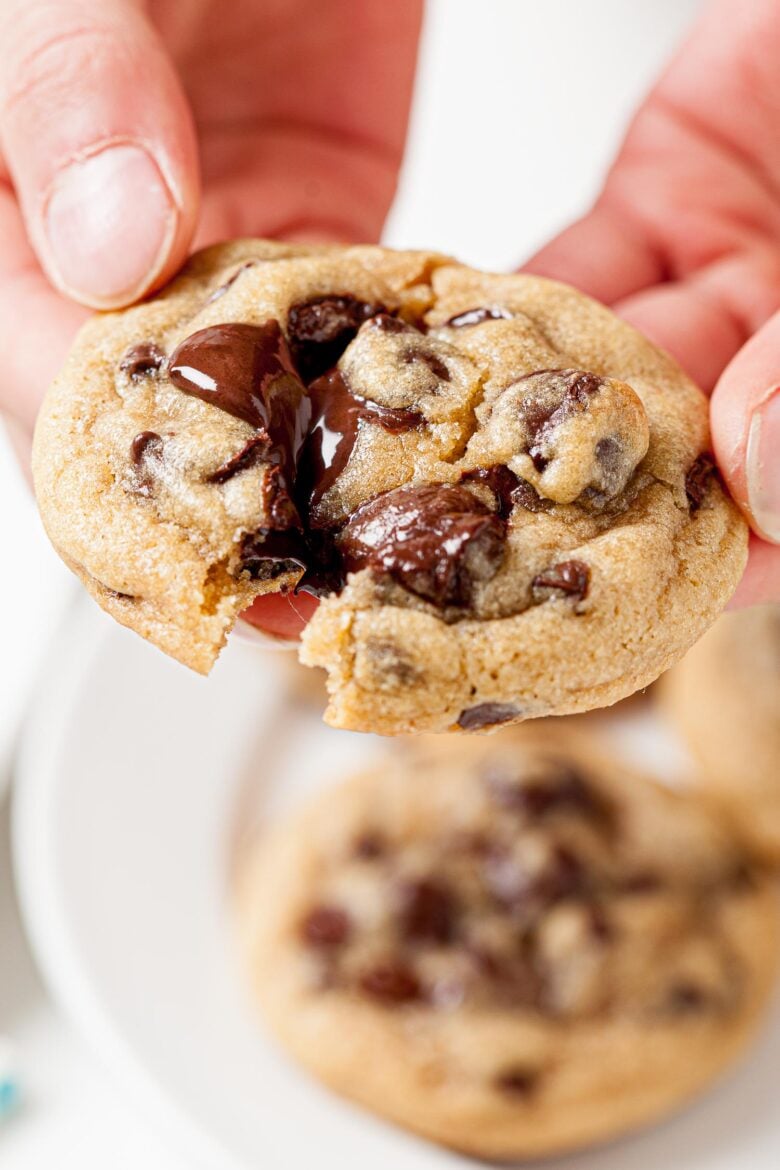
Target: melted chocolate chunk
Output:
[
  {"x": 326, "y": 926},
  {"x": 427, "y": 911},
  {"x": 321, "y": 329},
  {"x": 253, "y": 452},
  {"x": 431, "y": 360},
  {"x": 517, "y": 1081},
  {"x": 436, "y": 540},
  {"x": 697, "y": 480},
  {"x": 502, "y": 482},
  {"x": 142, "y": 361},
  {"x": 487, "y": 715},
  {"x": 569, "y": 577},
  {"x": 247, "y": 371},
  {"x": 392, "y": 982},
  {"x": 337, "y": 415},
  {"x": 222, "y": 288},
  {"x": 388, "y": 324},
  {"x": 477, "y": 316},
  {"x": 579, "y": 386}
]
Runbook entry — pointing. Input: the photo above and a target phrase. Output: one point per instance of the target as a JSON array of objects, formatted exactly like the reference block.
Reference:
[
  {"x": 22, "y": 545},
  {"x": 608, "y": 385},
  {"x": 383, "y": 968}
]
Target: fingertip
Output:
[{"x": 760, "y": 583}]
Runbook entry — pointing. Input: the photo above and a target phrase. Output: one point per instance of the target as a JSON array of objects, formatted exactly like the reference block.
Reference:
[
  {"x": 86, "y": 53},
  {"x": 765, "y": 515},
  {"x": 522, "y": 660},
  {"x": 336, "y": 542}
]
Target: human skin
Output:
[{"x": 131, "y": 132}]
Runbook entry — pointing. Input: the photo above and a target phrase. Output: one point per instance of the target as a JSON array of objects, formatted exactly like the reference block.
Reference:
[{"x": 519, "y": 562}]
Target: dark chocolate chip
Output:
[
  {"x": 477, "y": 316},
  {"x": 253, "y": 452},
  {"x": 517, "y": 1081},
  {"x": 429, "y": 359},
  {"x": 222, "y": 288},
  {"x": 387, "y": 324},
  {"x": 569, "y": 577},
  {"x": 142, "y": 361},
  {"x": 321, "y": 329},
  {"x": 563, "y": 790},
  {"x": 391, "y": 982},
  {"x": 487, "y": 715},
  {"x": 147, "y": 445},
  {"x": 697, "y": 480},
  {"x": 686, "y": 998},
  {"x": 571, "y": 391},
  {"x": 388, "y": 662},
  {"x": 521, "y": 891},
  {"x": 326, "y": 926},
  {"x": 436, "y": 540},
  {"x": 427, "y": 911},
  {"x": 370, "y": 846},
  {"x": 502, "y": 482}
]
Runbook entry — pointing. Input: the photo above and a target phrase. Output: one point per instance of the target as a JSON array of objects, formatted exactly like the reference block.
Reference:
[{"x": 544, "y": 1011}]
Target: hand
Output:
[
  {"x": 684, "y": 243},
  {"x": 128, "y": 130}
]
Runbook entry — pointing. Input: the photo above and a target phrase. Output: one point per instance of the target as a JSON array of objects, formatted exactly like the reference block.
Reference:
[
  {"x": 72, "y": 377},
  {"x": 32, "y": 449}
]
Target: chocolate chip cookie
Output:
[
  {"x": 508, "y": 944},
  {"x": 501, "y": 492},
  {"x": 724, "y": 698}
]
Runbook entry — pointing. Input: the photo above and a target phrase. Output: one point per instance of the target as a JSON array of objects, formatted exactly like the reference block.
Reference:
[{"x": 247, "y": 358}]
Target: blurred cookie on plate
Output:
[
  {"x": 510, "y": 945},
  {"x": 724, "y": 699}
]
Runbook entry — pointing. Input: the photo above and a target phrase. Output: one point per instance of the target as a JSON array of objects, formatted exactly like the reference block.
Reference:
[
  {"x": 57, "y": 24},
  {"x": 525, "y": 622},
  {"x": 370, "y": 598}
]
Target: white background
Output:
[{"x": 520, "y": 106}]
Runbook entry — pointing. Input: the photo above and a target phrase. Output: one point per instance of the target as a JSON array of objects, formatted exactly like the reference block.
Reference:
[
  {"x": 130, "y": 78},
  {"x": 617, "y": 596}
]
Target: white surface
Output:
[
  {"x": 520, "y": 105},
  {"x": 124, "y": 845}
]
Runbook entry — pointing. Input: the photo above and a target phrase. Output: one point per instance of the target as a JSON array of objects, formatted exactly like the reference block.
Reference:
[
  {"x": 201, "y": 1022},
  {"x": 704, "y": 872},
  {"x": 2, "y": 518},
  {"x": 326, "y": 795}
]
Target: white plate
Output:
[{"x": 132, "y": 786}]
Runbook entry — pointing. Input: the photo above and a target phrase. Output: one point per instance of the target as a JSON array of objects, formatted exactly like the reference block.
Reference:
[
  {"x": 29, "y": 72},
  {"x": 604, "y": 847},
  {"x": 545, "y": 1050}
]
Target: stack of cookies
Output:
[{"x": 503, "y": 499}]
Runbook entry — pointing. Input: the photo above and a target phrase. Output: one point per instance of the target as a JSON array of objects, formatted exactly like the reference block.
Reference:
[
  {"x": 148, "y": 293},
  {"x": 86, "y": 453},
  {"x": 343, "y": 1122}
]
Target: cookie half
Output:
[
  {"x": 508, "y": 945},
  {"x": 502, "y": 493},
  {"x": 724, "y": 699}
]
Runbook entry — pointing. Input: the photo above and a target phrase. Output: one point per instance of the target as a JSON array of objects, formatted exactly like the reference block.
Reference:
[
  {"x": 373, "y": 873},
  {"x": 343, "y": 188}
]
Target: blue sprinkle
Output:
[{"x": 9, "y": 1096}]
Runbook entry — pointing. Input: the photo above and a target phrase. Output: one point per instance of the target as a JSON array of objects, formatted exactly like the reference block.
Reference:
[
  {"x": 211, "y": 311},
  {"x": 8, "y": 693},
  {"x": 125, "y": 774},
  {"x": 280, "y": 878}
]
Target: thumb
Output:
[
  {"x": 746, "y": 436},
  {"x": 98, "y": 140}
]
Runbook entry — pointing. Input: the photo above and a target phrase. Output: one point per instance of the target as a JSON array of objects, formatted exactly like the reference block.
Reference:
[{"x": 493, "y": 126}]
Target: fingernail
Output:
[
  {"x": 763, "y": 466},
  {"x": 110, "y": 220}
]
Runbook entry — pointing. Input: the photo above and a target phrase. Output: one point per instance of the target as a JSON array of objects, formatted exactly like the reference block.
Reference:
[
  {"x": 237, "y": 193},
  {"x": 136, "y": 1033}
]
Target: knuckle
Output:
[{"x": 49, "y": 64}]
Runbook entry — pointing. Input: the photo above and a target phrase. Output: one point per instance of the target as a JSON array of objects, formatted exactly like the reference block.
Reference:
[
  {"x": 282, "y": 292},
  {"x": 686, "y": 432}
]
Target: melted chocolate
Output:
[
  {"x": 337, "y": 414},
  {"x": 252, "y": 453},
  {"x": 434, "y": 539},
  {"x": 477, "y": 316},
  {"x": 427, "y": 911},
  {"x": 321, "y": 329},
  {"x": 487, "y": 715},
  {"x": 142, "y": 361},
  {"x": 147, "y": 445}
]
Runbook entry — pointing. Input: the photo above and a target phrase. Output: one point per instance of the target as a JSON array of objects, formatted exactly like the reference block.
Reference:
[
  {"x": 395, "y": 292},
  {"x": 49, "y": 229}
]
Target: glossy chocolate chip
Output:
[
  {"x": 392, "y": 982},
  {"x": 321, "y": 329},
  {"x": 697, "y": 480},
  {"x": 437, "y": 540},
  {"x": 326, "y": 926},
  {"x": 427, "y": 911},
  {"x": 503, "y": 483},
  {"x": 571, "y": 578},
  {"x": 487, "y": 715},
  {"x": 142, "y": 361},
  {"x": 146, "y": 445},
  {"x": 477, "y": 316}
]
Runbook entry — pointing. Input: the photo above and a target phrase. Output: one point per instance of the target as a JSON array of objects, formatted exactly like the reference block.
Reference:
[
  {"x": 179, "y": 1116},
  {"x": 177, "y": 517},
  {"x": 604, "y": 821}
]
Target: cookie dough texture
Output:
[
  {"x": 508, "y": 945},
  {"x": 613, "y": 551},
  {"x": 724, "y": 699}
]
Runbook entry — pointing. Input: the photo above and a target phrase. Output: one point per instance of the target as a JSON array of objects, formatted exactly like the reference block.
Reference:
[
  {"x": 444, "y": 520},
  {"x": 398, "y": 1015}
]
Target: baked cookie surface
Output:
[
  {"x": 508, "y": 944},
  {"x": 501, "y": 492},
  {"x": 724, "y": 699}
]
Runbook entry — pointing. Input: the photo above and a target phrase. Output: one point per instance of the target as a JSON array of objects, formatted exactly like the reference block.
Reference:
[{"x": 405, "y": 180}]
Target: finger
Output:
[
  {"x": 602, "y": 254},
  {"x": 746, "y": 429},
  {"x": 37, "y": 324},
  {"x": 98, "y": 140},
  {"x": 761, "y": 582}
]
